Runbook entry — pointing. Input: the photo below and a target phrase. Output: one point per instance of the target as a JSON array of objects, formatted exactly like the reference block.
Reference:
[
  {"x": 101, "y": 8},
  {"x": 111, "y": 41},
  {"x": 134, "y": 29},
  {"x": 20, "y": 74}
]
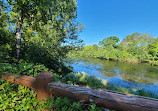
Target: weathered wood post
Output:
[
  {"x": 42, "y": 88},
  {"x": 107, "y": 99},
  {"x": 20, "y": 80}
]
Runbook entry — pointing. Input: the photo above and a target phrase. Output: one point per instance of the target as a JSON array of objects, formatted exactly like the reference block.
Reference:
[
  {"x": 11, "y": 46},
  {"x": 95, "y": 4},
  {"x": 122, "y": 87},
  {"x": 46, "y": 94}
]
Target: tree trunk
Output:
[{"x": 18, "y": 39}]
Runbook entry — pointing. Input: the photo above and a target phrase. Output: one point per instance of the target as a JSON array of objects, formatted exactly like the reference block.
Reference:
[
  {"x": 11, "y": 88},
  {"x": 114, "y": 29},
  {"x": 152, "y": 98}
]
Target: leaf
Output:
[
  {"x": 91, "y": 100},
  {"x": 93, "y": 106},
  {"x": 64, "y": 108}
]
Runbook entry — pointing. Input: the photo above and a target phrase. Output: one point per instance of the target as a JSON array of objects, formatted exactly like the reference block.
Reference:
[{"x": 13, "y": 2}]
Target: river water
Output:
[{"x": 127, "y": 75}]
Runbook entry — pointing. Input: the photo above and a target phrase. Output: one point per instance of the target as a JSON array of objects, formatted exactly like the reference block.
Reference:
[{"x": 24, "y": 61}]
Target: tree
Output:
[
  {"x": 137, "y": 45},
  {"x": 6, "y": 35},
  {"x": 46, "y": 27},
  {"x": 110, "y": 42},
  {"x": 24, "y": 9},
  {"x": 153, "y": 49}
]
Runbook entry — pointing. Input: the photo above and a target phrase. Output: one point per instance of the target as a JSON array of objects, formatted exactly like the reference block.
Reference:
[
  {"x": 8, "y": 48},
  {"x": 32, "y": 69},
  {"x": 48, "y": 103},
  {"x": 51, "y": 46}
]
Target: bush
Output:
[{"x": 17, "y": 97}]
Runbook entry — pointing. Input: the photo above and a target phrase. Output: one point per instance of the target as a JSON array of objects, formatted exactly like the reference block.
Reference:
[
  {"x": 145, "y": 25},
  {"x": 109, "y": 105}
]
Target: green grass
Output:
[
  {"x": 19, "y": 98},
  {"x": 97, "y": 83},
  {"x": 15, "y": 97}
]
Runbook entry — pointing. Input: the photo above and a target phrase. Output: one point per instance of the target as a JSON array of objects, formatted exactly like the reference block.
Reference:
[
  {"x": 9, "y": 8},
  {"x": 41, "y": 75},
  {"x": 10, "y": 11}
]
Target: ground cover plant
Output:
[
  {"x": 36, "y": 35},
  {"x": 84, "y": 79},
  {"x": 16, "y": 97}
]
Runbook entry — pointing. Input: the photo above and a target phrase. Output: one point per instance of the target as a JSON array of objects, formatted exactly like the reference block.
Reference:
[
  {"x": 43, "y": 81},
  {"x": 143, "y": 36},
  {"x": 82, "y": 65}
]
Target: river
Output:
[{"x": 127, "y": 75}]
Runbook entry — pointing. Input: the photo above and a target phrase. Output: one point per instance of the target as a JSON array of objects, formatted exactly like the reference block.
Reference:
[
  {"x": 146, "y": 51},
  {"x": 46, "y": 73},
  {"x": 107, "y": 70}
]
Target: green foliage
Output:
[
  {"x": 6, "y": 36},
  {"x": 153, "y": 49},
  {"x": 66, "y": 104},
  {"x": 22, "y": 69},
  {"x": 137, "y": 44},
  {"x": 138, "y": 47},
  {"x": 110, "y": 42},
  {"x": 48, "y": 28},
  {"x": 16, "y": 97},
  {"x": 83, "y": 79},
  {"x": 97, "y": 83},
  {"x": 13, "y": 97}
]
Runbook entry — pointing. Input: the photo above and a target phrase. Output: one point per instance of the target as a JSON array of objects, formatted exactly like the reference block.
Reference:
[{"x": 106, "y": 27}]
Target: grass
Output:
[{"x": 97, "y": 83}]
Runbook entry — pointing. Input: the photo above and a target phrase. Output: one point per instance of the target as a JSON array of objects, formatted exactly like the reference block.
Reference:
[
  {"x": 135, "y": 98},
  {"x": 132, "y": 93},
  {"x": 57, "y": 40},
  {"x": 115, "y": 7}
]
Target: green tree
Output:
[
  {"x": 26, "y": 10},
  {"x": 110, "y": 42},
  {"x": 44, "y": 29},
  {"x": 6, "y": 35},
  {"x": 153, "y": 49},
  {"x": 137, "y": 45}
]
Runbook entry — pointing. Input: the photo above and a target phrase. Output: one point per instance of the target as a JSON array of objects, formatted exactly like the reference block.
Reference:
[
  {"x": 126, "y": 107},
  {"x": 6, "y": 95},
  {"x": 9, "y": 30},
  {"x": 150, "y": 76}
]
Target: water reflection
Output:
[{"x": 119, "y": 73}]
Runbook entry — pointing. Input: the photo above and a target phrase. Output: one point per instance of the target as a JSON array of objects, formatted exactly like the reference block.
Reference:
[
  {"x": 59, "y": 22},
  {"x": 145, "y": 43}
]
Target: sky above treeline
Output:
[{"x": 104, "y": 18}]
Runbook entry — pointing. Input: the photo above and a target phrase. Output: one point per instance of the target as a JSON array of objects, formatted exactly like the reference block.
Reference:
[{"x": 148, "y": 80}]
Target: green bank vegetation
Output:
[
  {"x": 15, "y": 97},
  {"x": 35, "y": 36},
  {"x": 137, "y": 48},
  {"x": 47, "y": 28},
  {"x": 97, "y": 83}
]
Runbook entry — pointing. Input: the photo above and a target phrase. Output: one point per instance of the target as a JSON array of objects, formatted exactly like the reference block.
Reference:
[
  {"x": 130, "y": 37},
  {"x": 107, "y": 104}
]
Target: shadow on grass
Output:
[{"x": 82, "y": 79}]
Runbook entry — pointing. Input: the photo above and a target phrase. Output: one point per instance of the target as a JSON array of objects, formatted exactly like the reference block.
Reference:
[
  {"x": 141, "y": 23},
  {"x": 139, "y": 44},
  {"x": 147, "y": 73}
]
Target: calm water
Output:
[{"x": 120, "y": 74}]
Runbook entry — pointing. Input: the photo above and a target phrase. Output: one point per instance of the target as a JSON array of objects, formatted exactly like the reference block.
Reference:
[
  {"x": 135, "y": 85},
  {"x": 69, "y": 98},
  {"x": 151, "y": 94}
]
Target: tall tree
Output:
[
  {"x": 26, "y": 9},
  {"x": 137, "y": 44},
  {"x": 153, "y": 49},
  {"x": 6, "y": 34},
  {"x": 110, "y": 42},
  {"x": 44, "y": 29},
  {"x": 53, "y": 21}
]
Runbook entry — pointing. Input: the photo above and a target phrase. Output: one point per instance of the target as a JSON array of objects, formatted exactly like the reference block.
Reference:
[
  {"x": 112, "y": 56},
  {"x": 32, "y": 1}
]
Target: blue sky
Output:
[{"x": 104, "y": 18}]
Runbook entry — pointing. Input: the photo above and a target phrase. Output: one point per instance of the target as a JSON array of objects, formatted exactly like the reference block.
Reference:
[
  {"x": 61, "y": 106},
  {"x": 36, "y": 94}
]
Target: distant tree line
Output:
[{"x": 138, "y": 47}]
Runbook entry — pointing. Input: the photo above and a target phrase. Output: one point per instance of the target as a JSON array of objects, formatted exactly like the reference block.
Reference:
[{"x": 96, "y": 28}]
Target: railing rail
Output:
[{"x": 44, "y": 82}]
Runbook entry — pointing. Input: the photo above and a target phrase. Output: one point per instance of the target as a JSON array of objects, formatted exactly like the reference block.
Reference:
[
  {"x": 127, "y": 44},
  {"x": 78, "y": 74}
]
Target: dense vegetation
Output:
[
  {"x": 36, "y": 35},
  {"x": 15, "y": 97},
  {"x": 41, "y": 32},
  {"x": 47, "y": 28},
  {"x": 138, "y": 47}
]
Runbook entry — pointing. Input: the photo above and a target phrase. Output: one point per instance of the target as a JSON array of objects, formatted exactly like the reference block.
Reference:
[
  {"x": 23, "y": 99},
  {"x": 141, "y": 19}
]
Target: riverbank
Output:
[
  {"x": 18, "y": 97},
  {"x": 97, "y": 83},
  {"x": 135, "y": 48},
  {"x": 153, "y": 63},
  {"x": 130, "y": 60},
  {"x": 119, "y": 74}
]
